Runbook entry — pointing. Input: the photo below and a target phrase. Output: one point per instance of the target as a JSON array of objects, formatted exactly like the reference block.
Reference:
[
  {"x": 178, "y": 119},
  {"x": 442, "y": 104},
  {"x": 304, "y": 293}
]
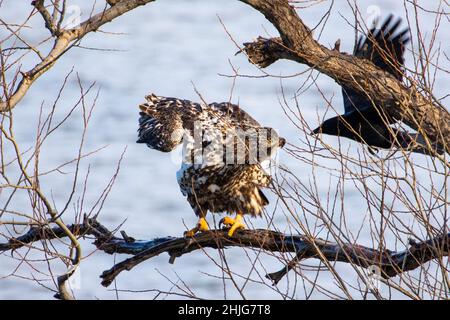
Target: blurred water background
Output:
[{"x": 166, "y": 47}]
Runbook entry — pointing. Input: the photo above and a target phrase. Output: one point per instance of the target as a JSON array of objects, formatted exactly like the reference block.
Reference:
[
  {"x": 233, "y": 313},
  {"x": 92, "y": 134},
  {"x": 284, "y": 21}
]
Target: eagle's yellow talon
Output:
[
  {"x": 227, "y": 221},
  {"x": 235, "y": 224},
  {"x": 190, "y": 233},
  {"x": 202, "y": 225}
]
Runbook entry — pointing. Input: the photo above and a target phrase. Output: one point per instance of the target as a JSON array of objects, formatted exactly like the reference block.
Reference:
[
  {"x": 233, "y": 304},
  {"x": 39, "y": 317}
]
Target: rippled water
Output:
[{"x": 165, "y": 48}]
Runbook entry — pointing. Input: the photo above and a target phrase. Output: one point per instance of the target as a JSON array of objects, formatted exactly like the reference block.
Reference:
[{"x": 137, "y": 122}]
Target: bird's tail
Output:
[
  {"x": 415, "y": 142},
  {"x": 264, "y": 200}
]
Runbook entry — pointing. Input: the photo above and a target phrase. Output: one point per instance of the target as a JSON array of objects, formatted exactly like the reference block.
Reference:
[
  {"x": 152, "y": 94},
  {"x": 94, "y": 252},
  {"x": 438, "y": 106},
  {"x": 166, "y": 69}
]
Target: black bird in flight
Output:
[{"x": 365, "y": 122}]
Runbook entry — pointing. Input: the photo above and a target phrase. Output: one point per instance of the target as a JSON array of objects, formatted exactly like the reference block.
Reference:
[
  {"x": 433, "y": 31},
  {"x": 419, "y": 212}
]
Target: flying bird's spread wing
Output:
[
  {"x": 385, "y": 48},
  {"x": 416, "y": 142}
]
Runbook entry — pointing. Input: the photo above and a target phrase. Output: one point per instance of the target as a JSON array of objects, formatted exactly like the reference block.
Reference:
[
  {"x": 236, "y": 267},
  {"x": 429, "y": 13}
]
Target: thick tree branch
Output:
[
  {"x": 296, "y": 43},
  {"x": 390, "y": 263},
  {"x": 63, "y": 40},
  {"x": 88, "y": 227}
]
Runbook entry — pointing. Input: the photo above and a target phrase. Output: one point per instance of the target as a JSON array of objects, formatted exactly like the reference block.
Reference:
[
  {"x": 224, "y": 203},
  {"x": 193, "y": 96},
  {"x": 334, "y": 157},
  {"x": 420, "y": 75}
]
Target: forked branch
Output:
[
  {"x": 63, "y": 40},
  {"x": 390, "y": 263}
]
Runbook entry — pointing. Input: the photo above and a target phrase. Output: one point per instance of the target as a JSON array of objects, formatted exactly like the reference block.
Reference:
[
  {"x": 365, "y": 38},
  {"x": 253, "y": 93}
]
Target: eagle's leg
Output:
[
  {"x": 236, "y": 223},
  {"x": 202, "y": 225}
]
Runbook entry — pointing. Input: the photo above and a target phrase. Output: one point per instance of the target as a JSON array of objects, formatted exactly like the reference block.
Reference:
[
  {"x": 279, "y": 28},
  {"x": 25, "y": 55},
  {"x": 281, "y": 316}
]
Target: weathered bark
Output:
[
  {"x": 390, "y": 263},
  {"x": 35, "y": 234},
  {"x": 296, "y": 43}
]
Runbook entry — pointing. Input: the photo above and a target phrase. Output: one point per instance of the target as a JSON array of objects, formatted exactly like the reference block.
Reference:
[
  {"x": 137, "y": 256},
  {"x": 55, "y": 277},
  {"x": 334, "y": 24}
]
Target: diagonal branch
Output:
[
  {"x": 296, "y": 43},
  {"x": 39, "y": 5},
  {"x": 63, "y": 41}
]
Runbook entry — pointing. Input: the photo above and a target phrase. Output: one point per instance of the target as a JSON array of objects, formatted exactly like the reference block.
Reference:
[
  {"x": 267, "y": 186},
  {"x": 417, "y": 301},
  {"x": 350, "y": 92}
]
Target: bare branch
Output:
[
  {"x": 89, "y": 227},
  {"x": 39, "y": 5},
  {"x": 63, "y": 40},
  {"x": 390, "y": 263}
]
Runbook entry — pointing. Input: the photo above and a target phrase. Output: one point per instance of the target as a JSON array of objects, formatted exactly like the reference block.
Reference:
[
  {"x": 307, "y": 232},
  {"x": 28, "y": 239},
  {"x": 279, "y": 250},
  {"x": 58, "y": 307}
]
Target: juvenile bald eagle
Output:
[
  {"x": 365, "y": 122},
  {"x": 223, "y": 152}
]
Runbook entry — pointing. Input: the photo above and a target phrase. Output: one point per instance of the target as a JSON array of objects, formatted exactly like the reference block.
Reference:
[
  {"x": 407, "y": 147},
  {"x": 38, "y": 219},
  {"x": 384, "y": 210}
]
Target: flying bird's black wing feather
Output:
[{"x": 385, "y": 47}]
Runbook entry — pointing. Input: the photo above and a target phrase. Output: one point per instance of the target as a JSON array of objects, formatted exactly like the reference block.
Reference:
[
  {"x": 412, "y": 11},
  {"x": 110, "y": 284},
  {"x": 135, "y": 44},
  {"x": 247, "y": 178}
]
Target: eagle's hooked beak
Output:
[{"x": 281, "y": 142}]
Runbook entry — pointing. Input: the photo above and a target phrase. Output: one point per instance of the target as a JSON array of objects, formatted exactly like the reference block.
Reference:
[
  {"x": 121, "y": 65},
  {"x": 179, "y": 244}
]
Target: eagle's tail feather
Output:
[{"x": 264, "y": 199}]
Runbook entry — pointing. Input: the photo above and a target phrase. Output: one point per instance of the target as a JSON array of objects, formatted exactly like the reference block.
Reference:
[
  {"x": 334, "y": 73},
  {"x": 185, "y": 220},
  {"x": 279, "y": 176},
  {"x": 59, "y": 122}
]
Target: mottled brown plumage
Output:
[{"x": 223, "y": 151}]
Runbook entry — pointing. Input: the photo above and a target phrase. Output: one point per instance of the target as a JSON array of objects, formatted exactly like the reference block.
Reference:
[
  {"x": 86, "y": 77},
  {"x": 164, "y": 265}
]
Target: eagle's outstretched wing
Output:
[
  {"x": 385, "y": 48},
  {"x": 164, "y": 120},
  {"x": 227, "y": 174},
  {"x": 235, "y": 116},
  {"x": 161, "y": 122}
]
